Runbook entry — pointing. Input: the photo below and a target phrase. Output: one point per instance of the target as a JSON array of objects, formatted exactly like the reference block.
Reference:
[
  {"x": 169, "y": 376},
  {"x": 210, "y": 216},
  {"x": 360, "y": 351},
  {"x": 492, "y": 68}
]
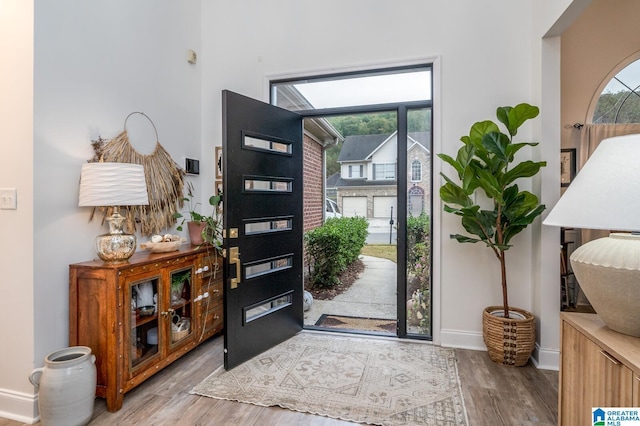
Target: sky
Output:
[
  {"x": 400, "y": 87},
  {"x": 629, "y": 75}
]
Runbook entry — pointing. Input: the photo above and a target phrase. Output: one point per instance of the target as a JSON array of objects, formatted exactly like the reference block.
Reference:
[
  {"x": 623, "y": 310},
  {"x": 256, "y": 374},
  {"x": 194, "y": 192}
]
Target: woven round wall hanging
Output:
[{"x": 165, "y": 181}]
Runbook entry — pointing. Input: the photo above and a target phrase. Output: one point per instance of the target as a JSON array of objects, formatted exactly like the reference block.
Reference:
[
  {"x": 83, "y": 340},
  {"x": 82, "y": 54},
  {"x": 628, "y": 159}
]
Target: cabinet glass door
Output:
[
  {"x": 143, "y": 326},
  {"x": 181, "y": 303}
]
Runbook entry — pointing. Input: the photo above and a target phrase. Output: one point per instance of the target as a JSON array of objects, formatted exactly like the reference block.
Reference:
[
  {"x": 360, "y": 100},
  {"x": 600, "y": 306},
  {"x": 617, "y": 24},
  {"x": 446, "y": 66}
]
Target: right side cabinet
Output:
[{"x": 599, "y": 367}]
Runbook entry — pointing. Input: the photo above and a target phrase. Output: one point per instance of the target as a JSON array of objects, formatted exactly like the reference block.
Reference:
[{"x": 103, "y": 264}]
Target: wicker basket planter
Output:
[{"x": 510, "y": 341}]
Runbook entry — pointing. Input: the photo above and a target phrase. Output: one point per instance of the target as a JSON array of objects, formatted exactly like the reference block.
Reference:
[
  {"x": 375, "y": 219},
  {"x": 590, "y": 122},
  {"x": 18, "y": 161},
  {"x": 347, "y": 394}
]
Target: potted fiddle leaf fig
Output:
[{"x": 493, "y": 210}]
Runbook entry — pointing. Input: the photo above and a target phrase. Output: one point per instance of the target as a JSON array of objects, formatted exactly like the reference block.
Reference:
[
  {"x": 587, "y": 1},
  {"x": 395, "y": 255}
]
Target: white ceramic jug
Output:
[{"x": 67, "y": 387}]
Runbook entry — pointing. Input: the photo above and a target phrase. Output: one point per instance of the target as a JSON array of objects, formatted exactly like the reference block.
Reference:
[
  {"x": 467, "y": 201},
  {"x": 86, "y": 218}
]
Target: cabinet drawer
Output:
[
  {"x": 212, "y": 317},
  {"x": 212, "y": 267},
  {"x": 214, "y": 289}
]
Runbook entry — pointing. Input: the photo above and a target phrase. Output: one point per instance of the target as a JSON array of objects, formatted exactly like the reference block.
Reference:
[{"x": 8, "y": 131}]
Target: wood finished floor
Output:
[{"x": 493, "y": 395}]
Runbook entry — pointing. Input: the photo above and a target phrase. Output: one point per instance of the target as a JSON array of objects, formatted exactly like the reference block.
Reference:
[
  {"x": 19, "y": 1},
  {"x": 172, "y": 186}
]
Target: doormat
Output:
[
  {"x": 363, "y": 380},
  {"x": 343, "y": 322}
]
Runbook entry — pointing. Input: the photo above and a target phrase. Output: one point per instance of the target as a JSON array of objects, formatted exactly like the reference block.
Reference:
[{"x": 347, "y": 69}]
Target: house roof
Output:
[
  {"x": 333, "y": 179},
  {"x": 360, "y": 147},
  {"x": 423, "y": 138}
]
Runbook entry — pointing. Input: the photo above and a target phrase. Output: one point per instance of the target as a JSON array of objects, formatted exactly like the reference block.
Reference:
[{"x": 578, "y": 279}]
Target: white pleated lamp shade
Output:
[{"x": 112, "y": 184}]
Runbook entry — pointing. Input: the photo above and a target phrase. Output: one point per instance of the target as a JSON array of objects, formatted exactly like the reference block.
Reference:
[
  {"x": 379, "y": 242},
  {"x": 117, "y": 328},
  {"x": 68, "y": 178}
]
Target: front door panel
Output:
[{"x": 262, "y": 157}]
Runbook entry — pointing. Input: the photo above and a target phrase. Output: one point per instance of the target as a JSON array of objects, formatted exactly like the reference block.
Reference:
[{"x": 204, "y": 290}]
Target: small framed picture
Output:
[
  {"x": 567, "y": 166},
  {"x": 218, "y": 187},
  {"x": 218, "y": 162}
]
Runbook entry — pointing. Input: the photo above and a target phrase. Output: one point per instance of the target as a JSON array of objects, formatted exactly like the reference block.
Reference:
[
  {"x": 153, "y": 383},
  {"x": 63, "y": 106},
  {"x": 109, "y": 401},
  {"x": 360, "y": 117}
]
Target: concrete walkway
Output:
[{"x": 372, "y": 295}]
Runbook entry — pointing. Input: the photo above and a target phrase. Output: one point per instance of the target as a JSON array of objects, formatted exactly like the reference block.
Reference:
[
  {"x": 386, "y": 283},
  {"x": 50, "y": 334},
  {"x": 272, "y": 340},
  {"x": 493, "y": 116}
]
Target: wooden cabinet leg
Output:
[{"x": 114, "y": 402}]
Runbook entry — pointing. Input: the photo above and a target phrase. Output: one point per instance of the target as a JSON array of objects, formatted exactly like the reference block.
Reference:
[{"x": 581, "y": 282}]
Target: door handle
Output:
[{"x": 234, "y": 258}]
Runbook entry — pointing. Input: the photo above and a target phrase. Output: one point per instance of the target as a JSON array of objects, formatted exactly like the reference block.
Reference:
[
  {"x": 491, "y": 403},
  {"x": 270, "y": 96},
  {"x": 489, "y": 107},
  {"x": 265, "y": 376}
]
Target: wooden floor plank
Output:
[{"x": 493, "y": 395}]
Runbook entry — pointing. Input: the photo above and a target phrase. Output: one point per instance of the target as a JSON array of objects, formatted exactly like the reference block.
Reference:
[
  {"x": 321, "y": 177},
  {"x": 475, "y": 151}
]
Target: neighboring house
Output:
[{"x": 367, "y": 184}]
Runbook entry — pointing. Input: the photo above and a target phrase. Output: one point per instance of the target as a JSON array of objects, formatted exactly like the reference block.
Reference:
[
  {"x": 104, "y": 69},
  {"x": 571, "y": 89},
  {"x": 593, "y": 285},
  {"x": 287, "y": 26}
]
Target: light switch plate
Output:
[{"x": 8, "y": 199}]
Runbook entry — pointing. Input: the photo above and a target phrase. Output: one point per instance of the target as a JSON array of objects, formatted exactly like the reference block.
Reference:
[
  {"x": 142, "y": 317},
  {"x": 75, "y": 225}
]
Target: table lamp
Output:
[
  {"x": 113, "y": 185},
  {"x": 605, "y": 194}
]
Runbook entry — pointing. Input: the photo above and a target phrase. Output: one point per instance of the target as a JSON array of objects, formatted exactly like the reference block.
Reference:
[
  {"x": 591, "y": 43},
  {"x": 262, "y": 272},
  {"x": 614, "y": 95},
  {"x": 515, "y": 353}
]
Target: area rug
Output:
[
  {"x": 343, "y": 322},
  {"x": 364, "y": 380}
]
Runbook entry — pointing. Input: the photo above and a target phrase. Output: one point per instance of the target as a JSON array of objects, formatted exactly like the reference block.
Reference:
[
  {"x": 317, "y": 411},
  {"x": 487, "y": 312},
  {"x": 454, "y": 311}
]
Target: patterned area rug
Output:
[
  {"x": 364, "y": 380},
  {"x": 356, "y": 323}
]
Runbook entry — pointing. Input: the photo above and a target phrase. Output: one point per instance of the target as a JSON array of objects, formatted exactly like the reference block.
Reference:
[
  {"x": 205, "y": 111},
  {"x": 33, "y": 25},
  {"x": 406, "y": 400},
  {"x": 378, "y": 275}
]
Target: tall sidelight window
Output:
[{"x": 380, "y": 169}]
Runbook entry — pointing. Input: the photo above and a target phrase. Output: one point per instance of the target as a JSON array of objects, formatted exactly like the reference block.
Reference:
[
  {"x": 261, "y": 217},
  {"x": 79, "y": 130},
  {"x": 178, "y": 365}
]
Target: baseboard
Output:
[
  {"x": 544, "y": 359},
  {"x": 17, "y": 406},
  {"x": 462, "y": 340}
]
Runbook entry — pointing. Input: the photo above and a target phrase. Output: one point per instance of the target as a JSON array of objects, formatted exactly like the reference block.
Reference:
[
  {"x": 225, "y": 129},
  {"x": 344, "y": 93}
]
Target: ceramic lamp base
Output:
[{"x": 608, "y": 271}]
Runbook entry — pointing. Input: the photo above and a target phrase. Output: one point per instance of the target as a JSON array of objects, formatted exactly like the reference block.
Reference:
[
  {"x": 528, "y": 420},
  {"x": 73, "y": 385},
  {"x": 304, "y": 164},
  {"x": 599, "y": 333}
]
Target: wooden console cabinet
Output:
[
  {"x": 131, "y": 346},
  {"x": 599, "y": 367}
]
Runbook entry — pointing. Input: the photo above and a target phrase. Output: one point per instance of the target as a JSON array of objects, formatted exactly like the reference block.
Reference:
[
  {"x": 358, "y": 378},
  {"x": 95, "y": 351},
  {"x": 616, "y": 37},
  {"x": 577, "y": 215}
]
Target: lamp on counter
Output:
[
  {"x": 113, "y": 185},
  {"x": 605, "y": 194}
]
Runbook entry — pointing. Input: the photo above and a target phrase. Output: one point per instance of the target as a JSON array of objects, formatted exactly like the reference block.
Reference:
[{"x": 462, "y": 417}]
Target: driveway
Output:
[{"x": 381, "y": 232}]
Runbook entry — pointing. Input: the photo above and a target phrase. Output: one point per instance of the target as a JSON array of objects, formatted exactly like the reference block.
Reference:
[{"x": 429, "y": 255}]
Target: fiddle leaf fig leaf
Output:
[{"x": 514, "y": 117}]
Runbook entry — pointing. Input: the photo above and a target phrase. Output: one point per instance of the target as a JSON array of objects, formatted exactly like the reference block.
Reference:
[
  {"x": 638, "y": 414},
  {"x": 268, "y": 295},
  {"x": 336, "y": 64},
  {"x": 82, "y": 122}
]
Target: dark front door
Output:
[{"x": 262, "y": 164}]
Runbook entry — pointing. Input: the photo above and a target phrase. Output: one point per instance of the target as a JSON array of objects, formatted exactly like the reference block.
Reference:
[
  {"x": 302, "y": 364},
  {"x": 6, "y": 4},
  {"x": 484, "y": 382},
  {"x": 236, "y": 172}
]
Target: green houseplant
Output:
[
  {"x": 486, "y": 164},
  {"x": 203, "y": 229},
  {"x": 178, "y": 280}
]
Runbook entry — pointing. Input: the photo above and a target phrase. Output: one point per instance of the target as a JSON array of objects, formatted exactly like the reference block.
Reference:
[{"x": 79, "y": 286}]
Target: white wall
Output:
[{"x": 16, "y": 226}]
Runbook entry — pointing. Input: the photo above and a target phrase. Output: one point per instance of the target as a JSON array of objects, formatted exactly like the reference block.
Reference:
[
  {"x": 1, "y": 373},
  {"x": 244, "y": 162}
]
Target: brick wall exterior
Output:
[
  {"x": 313, "y": 186},
  {"x": 313, "y": 198}
]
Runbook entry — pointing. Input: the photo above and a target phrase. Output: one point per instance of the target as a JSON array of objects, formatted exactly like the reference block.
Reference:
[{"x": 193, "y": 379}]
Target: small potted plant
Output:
[
  {"x": 486, "y": 165},
  {"x": 202, "y": 229}
]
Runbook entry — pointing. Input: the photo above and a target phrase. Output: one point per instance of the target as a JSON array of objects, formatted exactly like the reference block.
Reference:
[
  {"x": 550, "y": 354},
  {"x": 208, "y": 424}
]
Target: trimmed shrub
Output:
[{"x": 334, "y": 246}]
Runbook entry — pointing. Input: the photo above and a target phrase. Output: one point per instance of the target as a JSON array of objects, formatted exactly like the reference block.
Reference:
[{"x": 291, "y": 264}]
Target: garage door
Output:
[
  {"x": 382, "y": 206},
  {"x": 354, "y": 206}
]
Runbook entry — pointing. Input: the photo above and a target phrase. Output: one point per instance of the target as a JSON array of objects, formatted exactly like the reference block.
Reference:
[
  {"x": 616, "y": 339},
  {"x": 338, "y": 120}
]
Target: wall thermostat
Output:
[{"x": 192, "y": 166}]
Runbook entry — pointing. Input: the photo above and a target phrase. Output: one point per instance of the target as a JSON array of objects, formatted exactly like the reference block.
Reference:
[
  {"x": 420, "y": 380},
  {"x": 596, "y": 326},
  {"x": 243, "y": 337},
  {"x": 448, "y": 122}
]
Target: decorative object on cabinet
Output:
[
  {"x": 163, "y": 243},
  {"x": 485, "y": 164},
  {"x": 113, "y": 185},
  {"x": 164, "y": 184},
  {"x": 567, "y": 166},
  {"x": 598, "y": 368},
  {"x": 130, "y": 347},
  {"x": 605, "y": 195}
]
